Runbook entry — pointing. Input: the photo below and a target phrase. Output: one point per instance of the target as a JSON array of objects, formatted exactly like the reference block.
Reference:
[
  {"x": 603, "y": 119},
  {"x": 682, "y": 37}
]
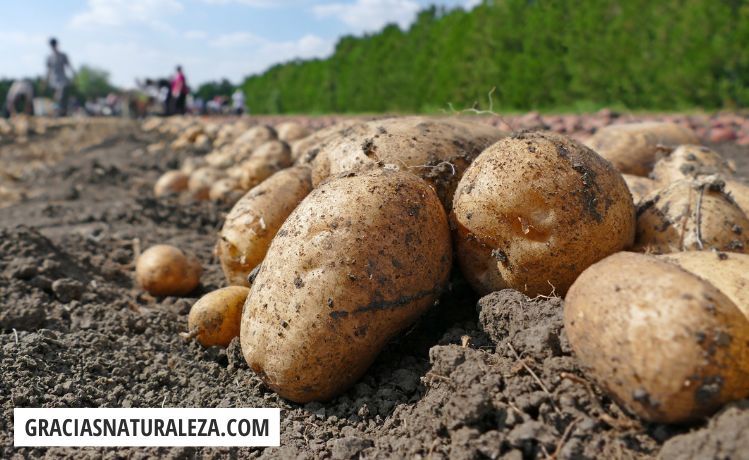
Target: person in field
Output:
[
  {"x": 20, "y": 90},
  {"x": 179, "y": 92},
  {"x": 58, "y": 65}
]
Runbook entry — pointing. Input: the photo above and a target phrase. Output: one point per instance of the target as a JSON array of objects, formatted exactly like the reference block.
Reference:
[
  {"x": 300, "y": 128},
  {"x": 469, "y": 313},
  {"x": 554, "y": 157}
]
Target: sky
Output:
[{"x": 211, "y": 39}]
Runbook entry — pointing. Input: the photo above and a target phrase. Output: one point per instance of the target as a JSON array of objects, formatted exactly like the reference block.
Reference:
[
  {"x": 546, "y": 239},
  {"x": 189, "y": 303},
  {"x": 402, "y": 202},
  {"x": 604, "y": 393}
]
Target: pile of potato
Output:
[{"x": 340, "y": 239}]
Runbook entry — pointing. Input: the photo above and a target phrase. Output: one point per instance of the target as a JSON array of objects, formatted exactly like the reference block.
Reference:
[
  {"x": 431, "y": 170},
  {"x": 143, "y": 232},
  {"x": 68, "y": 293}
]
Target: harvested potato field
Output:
[{"x": 398, "y": 284}]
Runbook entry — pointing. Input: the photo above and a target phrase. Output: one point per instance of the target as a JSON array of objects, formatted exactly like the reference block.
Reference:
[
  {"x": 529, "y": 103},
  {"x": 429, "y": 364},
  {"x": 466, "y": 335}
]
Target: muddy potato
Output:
[
  {"x": 437, "y": 150},
  {"x": 535, "y": 210},
  {"x": 304, "y": 151},
  {"x": 691, "y": 215},
  {"x": 171, "y": 183},
  {"x": 254, "y": 220},
  {"x": 215, "y": 318},
  {"x": 256, "y": 136},
  {"x": 663, "y": 342},
  {"x": 633, "y": 147},
  {"x": 291, "y": 131},
  {"x": 165, "y": 270},
  {"x": 201, "y": 181},
  {"x": 690, "y": 162},
  {"x": 639, "y": 187},
  {"x": 727, "y": 271},
  {"x": 358, "y": 261}
]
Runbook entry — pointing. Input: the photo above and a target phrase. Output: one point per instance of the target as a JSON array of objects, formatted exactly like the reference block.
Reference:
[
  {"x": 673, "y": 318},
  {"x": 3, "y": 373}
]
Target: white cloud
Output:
[
  {"x": 116, "y": 13},
  {"x": 470, "y": 4},
  {"x": 195, "y": 34},
  {"x": 253, "y": 3},
  {"x": 370, "y": 15},
  {"x": 235, "y": 39}
]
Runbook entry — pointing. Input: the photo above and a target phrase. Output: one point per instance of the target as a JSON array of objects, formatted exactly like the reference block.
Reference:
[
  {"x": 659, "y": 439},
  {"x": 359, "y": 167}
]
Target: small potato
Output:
[
  {"x": 171, "y": 183},
  {"x": 436, "y": 149},
  {"x": 727, "y": 271},
  {"x": 254, "y": 220},
  {"x": 276, "y": 152},
  {"x": 215, "y": 318},
  {"x": 690, "y": 162},
  {"x": 664, "y": 343},
  {"x": 220, "y": 159},
  {"x": 536, "y": 209},
  {"x": 691, "y": 215},
  {"x": 633, "y": 147},
  {"x": 201, "y": 181},
  {"x": 191, "y": 164},
  {"x": 226, "y": 190},
  {"x": 291, "y": 131},
  {"x": 357, "y": 262},
  {"x": 254, "y": 171},
  {"x": 164, "y": 270},
  {"x": 256, "y": 136},
  {"x": 639, "y": 187}
]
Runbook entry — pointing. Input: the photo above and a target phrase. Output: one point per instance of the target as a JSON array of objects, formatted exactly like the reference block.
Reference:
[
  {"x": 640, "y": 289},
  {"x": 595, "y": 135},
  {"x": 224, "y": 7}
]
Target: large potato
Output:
[
  {"x": 663, "y": 342},
  {"x": 535, "y": 210},
  {"x": 727, "y": 271},
  {"x": 437, "y": 150},
  {"x": 277, "y": 152},
  {"x": 359, "y": 260},
  {"x": 256, "y": 136},
  {"x": 691, "y": 215},
  {"x": 305, "y": 150},
  {"x": 690, "y": 162},
  {"x": 633, "y": 147},
  {"x": 254, "y": 220},
  {"x": 739, "y": 192}
]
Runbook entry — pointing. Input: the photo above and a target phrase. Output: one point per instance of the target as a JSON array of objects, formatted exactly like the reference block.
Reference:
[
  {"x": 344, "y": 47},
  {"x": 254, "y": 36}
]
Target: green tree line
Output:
[{"x": 538, "y": 54}]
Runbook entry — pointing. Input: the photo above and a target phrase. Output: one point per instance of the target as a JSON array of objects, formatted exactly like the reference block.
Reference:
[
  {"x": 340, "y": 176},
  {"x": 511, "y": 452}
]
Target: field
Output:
[{"x": 475, "y": 378}]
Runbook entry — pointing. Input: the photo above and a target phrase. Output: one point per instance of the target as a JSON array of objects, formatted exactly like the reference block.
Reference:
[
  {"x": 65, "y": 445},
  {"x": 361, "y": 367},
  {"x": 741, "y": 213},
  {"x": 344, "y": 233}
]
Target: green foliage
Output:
[
  {"x": 92, "y": 83},
  {"x": 539, "y": 54},
  {"x": 211, "y": 89}
]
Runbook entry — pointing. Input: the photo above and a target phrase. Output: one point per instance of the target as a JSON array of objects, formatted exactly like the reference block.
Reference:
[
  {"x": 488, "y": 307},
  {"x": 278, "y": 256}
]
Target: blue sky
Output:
[{"x": 210, "y": 38}]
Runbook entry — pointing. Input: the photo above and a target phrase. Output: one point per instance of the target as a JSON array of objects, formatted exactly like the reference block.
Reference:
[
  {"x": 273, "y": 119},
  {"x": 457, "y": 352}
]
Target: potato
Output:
[
  {"x": 254, "y": 220},
  {"x": 201, "y": 181},
  {"x": 164, "y": 270},
  {"x": 727, "y": 271},
  {"x": 221, "y": 159},
  {"x": 633, "y": 147},
  {"x": 535, "y": 210},
  {"x": 739, "y": 192},
  {"x": 304, "y": 151},
  {"x": 358, "y": 261},
  {"x": 277, "y": 152},
  {"x": 254, "y": 171},
  {"x": 437, "y": 150},
  {"x": 170, "y": 183},
  {"x": 226, "y": 190},
  {"x": 191, "y": 164},
  {"x": 664, "y": 343},
  {"x": 256, "y": 136},
  {"x": 689, "y": 162},
  {"x": 215, "y": 318},
  {"x": 290, "y": 131},
  {"x": 691, "y": 215},
  {"x": 639, "y": 187}
]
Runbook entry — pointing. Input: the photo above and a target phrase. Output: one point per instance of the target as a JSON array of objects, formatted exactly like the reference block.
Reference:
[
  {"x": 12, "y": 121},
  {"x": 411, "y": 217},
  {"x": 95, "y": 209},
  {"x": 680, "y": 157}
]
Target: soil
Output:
[{"x": 475, "y": 378}]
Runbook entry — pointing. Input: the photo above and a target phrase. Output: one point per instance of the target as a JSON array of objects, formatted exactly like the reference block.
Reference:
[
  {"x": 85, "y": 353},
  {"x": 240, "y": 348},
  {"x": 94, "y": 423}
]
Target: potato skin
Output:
[
  {"x": 358, "y": 261},
  {"x": 633, "y": 147},
  {"x": 254, "y": 220},
  {"x": 164, "y": 270},
  {"x": 664, "y": 343},
  {"x": 216, "y": 316},
  {"x": 727, "y": 271},
  {"x": 739, "y": 192},
  {"x": 689, "y": 162},
  {"x": 437, "y": 150},
  {"x": 535, "y": 210},
  {"x": 691, "y": 215},
  {"x": 639, "y": 187},
  {"x": 290, "y": 131}
]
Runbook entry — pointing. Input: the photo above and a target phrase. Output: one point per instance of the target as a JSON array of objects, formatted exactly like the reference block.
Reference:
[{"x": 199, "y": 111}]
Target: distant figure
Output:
[
  {"x": 20, "y": 89},
  {"x": 57, "y": 76},
  {"x": 237, "y": 100},
  {"x": 179, "y": 92}
]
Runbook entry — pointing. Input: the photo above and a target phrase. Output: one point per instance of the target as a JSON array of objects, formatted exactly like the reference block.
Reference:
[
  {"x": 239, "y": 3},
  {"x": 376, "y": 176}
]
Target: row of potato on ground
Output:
[{"x": 345, "y": 238}]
